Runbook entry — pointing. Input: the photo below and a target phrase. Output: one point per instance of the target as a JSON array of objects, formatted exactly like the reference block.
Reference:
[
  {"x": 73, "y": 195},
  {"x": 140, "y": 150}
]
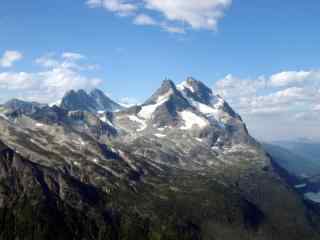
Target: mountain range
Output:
[{"x": 182, "y": 165}]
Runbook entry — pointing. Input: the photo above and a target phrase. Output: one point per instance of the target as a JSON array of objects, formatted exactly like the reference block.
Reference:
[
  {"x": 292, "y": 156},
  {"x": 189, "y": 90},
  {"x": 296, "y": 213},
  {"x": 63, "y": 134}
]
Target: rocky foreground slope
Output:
[{"x": 180, "y": 166}]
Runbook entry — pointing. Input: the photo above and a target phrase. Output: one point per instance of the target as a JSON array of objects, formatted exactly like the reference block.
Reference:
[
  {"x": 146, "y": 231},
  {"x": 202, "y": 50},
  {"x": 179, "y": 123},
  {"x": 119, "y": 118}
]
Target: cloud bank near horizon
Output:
[{"x": 283, "y": 105}]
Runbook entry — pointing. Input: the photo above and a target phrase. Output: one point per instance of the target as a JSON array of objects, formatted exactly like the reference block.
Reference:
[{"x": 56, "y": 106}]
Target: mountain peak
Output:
[
  {"x": 93, "y": 102},
  {"x": 96, "y": 91},
  {"x": 166, "y": 89},
  {"x": 77, "y": 100},
  {"x": 167, "y": 83},
  {"x": 196, "y": 90},
  {"x": 103, "y": 102},
  {"x": 192, "y": 81}
]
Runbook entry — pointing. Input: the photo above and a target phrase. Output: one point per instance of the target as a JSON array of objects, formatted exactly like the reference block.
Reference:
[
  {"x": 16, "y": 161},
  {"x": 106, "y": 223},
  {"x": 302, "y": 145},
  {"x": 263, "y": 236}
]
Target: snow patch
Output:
[
  {"x": 39, "y": 125},
  {"x": 103, "y": 119},
  {"x": 314, "y": 197},
  {"x": 158, "y": 135},
  {"x": 164, "y": 97},
  {"x": 216, "y": 148},
  {"x": 95, "y": 160},
  {"x": 106, "y": 120},
  {"x": 213, "y": 113},
  {"x": 81, "y": 142},
  {"x": 76, "y": 163},
  {"x": 4, "y": 116},
  {"x": 185, "y": 85},
  {"x": 142, "y": 123},
  {"x": 191, "y": 119},
  {"x": 238, "y": 148},
  {"x": 147, "y": 111}
]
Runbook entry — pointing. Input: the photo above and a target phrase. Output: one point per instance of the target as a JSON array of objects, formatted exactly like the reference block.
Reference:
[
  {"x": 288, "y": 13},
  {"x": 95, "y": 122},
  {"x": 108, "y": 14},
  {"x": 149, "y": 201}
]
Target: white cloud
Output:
[
  {"x": 229, "y": 86},
  {"x": 50, "y": 84},
  {"x": 293, "y": 77},
  {"x": 173, "y": 29},
  {"x": 143, "y": 19},
  {"x": 16, "y": 81},
  {"x": 173, "y": 16},
  {"x": 66, "y": 60},
  {"x": 47, "y": 61},
  {"x": 94, "y": 3},
  {"x": 118, "y": 6},
  {"x": 9, "y": 58},
  {"x": 72, "y": 56},
  {"x": 146, "y": 20},
  {"x": 203, "y": 14},
  {"x": 276, "y": 108}
]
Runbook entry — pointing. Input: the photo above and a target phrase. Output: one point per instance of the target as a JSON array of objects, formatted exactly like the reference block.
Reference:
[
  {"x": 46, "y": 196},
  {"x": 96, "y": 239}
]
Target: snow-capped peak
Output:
[
  {"x": 167, "y": 92},
  {"x": 185, "y": 85},
  {"x": 205, "y": 101},
  {"x": 147, "y": 110}
]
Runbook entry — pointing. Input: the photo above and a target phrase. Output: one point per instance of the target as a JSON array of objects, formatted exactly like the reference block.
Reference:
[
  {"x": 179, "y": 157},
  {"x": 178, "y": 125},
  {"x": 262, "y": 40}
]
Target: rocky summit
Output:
[
  {"x": 182, "y": 165},
  {"x": 95, "y": 101}
]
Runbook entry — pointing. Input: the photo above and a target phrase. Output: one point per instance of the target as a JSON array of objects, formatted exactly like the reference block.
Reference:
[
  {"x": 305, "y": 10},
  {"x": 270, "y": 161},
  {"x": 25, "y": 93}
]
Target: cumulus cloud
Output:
[
  {"x": 172, "y": 16},
  {"x": 284, "y": 100},
  {"x": 16, "y": 81},
  {"x": 58, "y": 75},
  {"x": 198, "y": 14},
  {"x": 173, "y": 29},
  {"x": 293, "y": 77},
  {"x": 117, "y": 6},
  {"x": 143, "y": 19},
  {"x": 72, "y": 56},
  {"x": 9, "y": 58},
  {"x": 229, "y": 86}
]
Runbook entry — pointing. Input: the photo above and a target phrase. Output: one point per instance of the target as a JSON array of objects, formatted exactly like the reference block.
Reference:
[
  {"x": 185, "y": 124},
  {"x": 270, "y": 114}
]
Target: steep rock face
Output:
[
  {"x": 41, "y": 203},
  {"x": 78, "y": 100},
  {"x": 94, "y": 102},
  {"x": 104, "y": 103},
  {"x": 163, "y": 107}
]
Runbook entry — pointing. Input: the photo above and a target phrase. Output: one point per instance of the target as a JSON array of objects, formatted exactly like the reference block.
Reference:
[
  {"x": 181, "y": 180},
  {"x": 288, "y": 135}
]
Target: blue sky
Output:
[{"x": 216, "y": 41}]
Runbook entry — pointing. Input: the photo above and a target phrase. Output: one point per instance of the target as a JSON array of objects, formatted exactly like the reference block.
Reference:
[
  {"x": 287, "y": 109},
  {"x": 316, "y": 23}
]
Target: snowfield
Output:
[
  {"x": 147, "y": 111},
  {"x": 141, "y": 122},
  {"x": 191, "y": 119},
  {"x": 158, "y": 135}
]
